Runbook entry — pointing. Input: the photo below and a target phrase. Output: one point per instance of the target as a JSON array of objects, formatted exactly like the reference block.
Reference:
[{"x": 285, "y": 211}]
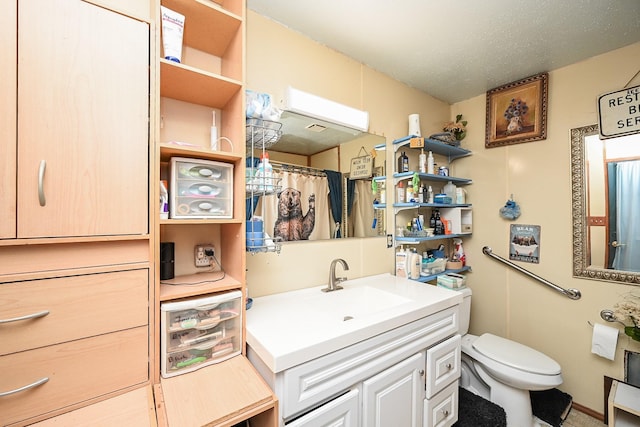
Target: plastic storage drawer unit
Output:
[
  {"x": 199, "y": 332},
  {"x": 200, "y": 189}
]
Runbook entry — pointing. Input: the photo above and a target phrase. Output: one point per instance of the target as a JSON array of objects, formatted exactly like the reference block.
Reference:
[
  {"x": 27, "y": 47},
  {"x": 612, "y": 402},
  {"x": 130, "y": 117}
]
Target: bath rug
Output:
[
  {"x": 476, "y": 411},
  {"x": 551, "y": 406}
]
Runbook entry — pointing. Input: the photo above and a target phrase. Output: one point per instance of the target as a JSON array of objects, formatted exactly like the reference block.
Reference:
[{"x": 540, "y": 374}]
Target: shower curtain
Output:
[
  {"x": 627, "y": 255},
  {"x": 300, "y": 211},
  {"x": 362, "y": 213}
]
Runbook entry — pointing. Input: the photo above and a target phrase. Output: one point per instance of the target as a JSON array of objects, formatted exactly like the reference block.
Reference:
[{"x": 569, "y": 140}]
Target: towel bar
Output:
[{"x": 571, "y": 293}]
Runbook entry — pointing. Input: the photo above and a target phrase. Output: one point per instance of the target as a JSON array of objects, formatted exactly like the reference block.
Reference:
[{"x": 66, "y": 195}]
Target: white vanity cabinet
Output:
[{"x": 406, "y": 376}]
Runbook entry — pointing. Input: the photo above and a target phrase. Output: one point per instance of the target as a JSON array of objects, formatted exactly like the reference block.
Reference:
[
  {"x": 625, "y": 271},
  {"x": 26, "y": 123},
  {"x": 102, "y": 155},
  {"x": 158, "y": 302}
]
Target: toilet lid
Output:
[{"x": 515, "y": 355}]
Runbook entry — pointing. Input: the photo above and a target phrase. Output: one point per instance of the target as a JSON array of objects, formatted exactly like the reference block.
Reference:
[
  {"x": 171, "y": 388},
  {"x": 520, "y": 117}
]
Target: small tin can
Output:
[{"x": 443, "y": 171}]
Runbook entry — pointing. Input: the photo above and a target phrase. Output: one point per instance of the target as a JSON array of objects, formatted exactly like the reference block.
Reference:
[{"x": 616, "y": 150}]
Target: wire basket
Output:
[{"x": 262, "y": 134}]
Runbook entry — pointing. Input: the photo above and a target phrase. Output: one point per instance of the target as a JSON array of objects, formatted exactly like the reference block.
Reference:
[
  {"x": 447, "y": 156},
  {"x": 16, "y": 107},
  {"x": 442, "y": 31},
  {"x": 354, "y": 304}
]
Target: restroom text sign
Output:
[{"x": 619, "y": 113}]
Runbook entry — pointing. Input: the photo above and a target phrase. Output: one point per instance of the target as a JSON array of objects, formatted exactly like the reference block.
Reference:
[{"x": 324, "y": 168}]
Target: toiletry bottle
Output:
[
  {"x": 415, "y": 262},
  {"x": 429, "y": 195},
  {"x": 439, "y": 227},
  {"x": 403, "y": 163},
  {"x": 401, "y": 262},
  {"x": 423, "y": 162},
  {"x": 409, "y": 197},
  {"x": 450, "y": 190},
  {"x": 430, "y": 164},
  {"x": 432, "y": 220},
  {"x": 164, "y": 200},
  {"x": 264, "y": 174},
  {"x": 400, "y": 193}
]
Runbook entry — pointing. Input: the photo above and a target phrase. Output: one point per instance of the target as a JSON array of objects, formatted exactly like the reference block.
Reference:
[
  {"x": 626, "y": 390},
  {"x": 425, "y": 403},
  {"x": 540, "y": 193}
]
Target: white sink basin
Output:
[
  {"x": 352, "y": 302},
  {"x": 290, "y": 328}
]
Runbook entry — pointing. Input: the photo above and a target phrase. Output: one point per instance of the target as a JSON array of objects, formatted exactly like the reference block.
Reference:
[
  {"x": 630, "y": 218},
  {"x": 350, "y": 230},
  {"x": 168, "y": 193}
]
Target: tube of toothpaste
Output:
[{"x": 172, "y": 30}]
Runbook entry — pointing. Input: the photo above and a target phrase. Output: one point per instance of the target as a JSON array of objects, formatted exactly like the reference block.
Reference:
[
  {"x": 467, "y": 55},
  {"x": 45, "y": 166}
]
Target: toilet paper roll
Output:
[{"x": 604, "y": 341}]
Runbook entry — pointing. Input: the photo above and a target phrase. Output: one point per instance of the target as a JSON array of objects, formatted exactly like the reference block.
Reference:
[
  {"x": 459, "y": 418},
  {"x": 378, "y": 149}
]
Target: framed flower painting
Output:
[{"x": 517, "y": 112}]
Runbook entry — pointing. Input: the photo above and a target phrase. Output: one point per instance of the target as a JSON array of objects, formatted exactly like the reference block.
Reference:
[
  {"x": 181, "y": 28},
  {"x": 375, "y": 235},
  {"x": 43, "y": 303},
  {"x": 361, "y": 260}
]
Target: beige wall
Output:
[
  {"x": 537, "y": 174},
  {"x": 506, "y": 302},
  {"x": 277, "y": 58}
]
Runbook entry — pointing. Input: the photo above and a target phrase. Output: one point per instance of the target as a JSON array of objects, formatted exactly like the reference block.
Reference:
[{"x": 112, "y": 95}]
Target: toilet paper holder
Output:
[{"x": 608, "y": 316}]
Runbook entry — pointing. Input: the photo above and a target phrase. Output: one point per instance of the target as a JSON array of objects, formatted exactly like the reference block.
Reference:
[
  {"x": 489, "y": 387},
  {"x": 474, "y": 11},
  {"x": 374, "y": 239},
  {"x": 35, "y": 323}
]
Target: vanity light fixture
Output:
[{"x": 320, "y": 108}]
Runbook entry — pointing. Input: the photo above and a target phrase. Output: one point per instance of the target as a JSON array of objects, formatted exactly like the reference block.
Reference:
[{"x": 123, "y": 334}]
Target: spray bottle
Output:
[{"x": 459, "y": 252}]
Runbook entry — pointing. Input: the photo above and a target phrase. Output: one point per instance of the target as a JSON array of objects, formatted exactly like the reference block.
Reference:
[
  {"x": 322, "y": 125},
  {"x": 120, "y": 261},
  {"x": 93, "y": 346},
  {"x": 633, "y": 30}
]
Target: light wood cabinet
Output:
[
  {"x": 74, "y": 207},
  {"x": 82, "y": 123},
  {"x": 207, "y": 83}
]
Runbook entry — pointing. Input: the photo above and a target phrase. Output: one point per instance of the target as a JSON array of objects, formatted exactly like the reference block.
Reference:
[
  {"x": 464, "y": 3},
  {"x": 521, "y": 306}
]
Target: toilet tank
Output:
[{"x": 465, "y": 311}]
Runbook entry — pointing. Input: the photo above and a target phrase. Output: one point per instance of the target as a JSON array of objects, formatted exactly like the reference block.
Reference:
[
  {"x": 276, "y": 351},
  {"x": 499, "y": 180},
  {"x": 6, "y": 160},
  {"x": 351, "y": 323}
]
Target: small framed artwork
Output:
[
  {"x": 525, "y": 243},
  {"x": 517, "y": 112}
]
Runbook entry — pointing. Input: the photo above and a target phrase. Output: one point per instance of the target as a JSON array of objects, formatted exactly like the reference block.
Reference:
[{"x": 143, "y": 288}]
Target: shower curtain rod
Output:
[{"x": 305, "y": 170}]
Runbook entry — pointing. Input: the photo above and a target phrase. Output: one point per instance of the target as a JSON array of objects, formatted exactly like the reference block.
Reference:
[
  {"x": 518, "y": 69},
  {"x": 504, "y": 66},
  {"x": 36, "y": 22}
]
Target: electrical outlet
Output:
[{"x": 203, "y": 255}]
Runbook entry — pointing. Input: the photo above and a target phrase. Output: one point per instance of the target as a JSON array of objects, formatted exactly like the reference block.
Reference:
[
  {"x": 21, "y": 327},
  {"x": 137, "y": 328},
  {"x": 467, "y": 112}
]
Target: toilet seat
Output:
[
  {"x": 515, "y": 355},
  {"x": 507, "y": 374}
]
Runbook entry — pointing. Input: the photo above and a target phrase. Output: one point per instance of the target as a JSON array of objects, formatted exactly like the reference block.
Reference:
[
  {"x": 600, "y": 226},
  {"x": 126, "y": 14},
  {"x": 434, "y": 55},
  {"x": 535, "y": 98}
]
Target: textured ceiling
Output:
[{"x": 458, "y": 49}]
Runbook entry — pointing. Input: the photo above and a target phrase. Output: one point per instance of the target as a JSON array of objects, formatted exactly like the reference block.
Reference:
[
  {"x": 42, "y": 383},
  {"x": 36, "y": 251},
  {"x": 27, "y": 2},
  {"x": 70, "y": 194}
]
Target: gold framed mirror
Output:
[{"x": 603, "y": 234}]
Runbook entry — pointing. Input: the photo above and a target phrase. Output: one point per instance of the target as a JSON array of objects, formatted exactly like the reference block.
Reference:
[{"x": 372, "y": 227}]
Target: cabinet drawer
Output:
[
  {"x": 77, "y": 371},
  {"x": 77, "y": 306},
  {"x": 443, "y": 365},
  {"x": 442, "y": 409}
]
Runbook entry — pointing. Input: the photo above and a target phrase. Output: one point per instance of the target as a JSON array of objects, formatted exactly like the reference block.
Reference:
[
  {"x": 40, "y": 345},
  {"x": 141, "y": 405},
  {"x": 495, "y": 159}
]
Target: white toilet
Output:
[{"x": 504, "y": 371}]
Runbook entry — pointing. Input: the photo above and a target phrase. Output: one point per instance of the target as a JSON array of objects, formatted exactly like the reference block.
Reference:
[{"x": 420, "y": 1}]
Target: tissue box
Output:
[{"x": 451, "y": 281}]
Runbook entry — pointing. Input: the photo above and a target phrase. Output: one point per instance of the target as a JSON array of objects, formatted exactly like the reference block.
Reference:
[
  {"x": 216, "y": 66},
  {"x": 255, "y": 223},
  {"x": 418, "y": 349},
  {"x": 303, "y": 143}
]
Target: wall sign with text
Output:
[{"x": 619, "y": 112}]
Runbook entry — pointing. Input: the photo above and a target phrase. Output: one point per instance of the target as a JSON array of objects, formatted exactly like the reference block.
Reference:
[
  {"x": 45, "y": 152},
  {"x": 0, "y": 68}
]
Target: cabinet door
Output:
[
  {"x": 8, "y": 22},
  {"x": 395, "y": 397},
  {"x": 342, "y": 411},
  {"x": 83, "y": 121}
]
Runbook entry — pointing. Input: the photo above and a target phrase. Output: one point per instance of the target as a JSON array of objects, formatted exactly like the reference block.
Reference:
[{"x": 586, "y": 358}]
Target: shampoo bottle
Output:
[
  {"x": 430, "y": 164},
  {"x": 423, "y": 162}
]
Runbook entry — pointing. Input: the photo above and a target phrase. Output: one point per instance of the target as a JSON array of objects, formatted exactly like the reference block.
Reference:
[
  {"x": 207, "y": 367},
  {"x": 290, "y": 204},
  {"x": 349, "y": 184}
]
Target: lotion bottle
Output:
[{"x": 430, "y": 164}]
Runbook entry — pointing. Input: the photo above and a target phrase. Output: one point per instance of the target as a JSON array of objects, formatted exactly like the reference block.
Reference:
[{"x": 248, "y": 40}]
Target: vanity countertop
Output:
[{"x": 290, "y": 328}]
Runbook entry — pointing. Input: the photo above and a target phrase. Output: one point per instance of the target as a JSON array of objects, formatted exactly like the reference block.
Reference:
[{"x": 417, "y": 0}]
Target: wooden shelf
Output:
[
  {"x": 624, "y": 405},
  {"x": 133, "y": 408},
  {"x": 222, "y": 394},
  {"x": 190, "y": 84},
  {"x": 208, "y": 27},
  {"x": 196, "y": 284},
  {"x": 173, "y": 150}
]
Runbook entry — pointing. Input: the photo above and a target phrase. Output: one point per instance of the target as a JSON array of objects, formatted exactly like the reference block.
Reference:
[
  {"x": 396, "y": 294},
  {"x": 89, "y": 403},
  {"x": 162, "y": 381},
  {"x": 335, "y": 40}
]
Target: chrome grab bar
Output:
[{"x": 571, "y": 293}]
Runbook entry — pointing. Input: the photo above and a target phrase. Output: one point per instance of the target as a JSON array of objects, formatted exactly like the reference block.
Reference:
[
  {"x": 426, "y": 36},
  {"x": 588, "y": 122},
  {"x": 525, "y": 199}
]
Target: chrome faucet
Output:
[{"x": 333, "y": 280}]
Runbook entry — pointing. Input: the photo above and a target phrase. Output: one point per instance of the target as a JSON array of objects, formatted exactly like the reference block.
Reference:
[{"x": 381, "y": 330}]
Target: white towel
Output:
[{"x": 604, "y": 341}]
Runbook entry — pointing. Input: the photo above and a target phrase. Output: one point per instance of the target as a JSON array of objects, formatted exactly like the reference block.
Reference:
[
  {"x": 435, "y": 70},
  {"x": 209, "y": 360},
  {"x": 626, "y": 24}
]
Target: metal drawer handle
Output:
[
  {"x": 449, "y": 366},
  {"x": 27, "y": 317},
  {"x": 445, "y": 412},
  {"x": 41, "y": 198},
  {"x": 421, "y": 372},
  {"x": 27, "y": 387}
]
